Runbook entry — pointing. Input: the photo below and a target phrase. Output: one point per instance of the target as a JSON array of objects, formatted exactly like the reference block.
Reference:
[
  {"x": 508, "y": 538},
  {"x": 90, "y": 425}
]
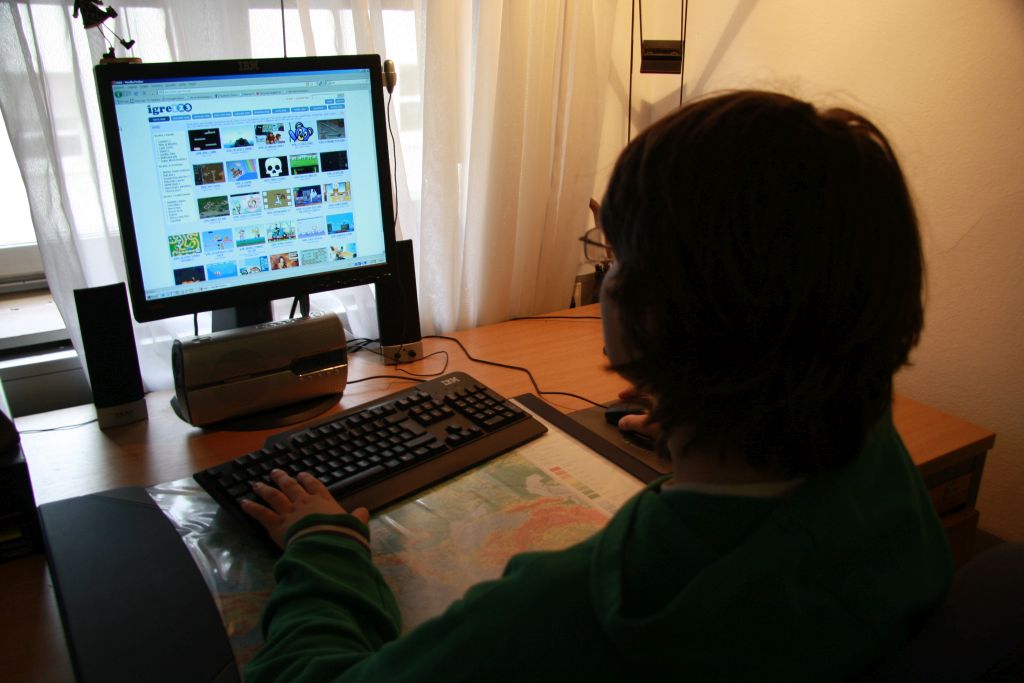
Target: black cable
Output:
[
  {"x": 558, "y": 317},
  {"x": 394, "y": 377},
  {"x": 629, "y": 104},
  {"x": 641, "y": 23},
  {"x": 429, "y": 355},
  {"x": 295, "y": 304},
  {"x": 529, "y": 374},
  {"x": 357, "y": 347},
  {"x": 682, "y": 35},
  {"x": 394, "y": 172},
  {"x": 195, "y": 324},
  {"x": 284, "y": 35},
  {"x": 58, "y": 429},
  {"x": 358, "y": 344},
  {"x": 394, "y": 155},
  {"x": 397, "y": 363}
]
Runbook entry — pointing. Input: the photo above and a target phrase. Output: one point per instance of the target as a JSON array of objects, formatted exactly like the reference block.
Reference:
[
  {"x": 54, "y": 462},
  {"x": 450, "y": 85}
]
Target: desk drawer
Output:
[{"x": 951, "y": 495}]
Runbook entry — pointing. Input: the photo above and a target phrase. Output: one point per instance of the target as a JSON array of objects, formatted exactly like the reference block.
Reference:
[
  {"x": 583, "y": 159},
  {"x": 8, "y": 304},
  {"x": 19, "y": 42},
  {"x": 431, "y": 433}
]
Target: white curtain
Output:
[
  {"x": 497, "y": 117},
  {"x": 513, "y": 94}
]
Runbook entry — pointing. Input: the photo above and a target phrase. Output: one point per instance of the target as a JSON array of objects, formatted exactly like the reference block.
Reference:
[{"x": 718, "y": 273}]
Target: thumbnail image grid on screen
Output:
[{"x": 247, "y": 193}]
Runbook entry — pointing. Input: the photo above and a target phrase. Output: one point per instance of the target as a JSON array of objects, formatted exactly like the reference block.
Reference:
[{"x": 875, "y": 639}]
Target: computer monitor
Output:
[{"x": 239, "y": 182}]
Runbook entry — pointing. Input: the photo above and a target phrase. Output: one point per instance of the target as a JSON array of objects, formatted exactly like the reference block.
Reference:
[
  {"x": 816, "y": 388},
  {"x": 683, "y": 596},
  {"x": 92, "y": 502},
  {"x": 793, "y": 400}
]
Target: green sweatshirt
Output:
[{"x": 816, "y": 585}]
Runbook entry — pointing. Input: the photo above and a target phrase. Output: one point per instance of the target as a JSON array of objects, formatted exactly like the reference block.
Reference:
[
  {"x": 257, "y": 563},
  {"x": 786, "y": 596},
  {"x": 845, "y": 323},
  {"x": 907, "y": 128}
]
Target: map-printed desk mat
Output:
[{"x": 547, "y": 495}]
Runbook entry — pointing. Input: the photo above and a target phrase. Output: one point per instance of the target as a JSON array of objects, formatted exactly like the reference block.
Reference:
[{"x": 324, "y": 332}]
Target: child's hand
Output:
[
  {"x": 639, "y": 423},
  {"x": 291, "y": 501}
]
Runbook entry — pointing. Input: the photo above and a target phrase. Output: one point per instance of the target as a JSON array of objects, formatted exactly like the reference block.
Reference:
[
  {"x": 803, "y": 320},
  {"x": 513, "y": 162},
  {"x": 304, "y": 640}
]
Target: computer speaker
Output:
[
  {"x": 398, "y": 310},
  {"x": 110, "y": 355}
]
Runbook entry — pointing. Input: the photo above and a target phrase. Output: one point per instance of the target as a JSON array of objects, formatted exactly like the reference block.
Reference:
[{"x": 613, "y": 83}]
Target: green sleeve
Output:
[
  {"x": 330, "y": 610},
  {"x": 333, "y": 619}
]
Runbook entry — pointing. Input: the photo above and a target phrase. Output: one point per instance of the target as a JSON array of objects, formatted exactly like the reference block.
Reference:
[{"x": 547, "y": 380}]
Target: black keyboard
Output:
[{"x": 385, "y": 450}]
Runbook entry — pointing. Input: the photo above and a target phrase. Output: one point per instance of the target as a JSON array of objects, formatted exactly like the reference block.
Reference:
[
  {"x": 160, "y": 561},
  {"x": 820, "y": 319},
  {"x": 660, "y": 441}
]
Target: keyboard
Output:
[{"x": 385, "y": 450}]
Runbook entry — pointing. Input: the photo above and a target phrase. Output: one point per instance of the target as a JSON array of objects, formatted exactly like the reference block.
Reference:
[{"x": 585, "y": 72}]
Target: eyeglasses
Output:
[{"x": 595, "y": 246}]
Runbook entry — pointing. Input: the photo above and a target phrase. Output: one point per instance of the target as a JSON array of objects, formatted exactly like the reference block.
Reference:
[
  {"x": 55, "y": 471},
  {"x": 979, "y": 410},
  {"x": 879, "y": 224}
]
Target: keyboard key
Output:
[{"x": 355, "y": 480}]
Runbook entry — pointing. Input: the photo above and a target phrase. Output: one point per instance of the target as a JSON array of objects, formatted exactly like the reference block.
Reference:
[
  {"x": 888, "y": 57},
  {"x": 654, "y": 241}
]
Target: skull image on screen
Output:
[{"x": 273, "y": 167}]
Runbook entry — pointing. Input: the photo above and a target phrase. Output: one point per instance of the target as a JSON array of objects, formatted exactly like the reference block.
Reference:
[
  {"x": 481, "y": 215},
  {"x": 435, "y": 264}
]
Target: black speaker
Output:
[
  {"x": 110, "y": 356},
  {"x": 398, "y": 310}
]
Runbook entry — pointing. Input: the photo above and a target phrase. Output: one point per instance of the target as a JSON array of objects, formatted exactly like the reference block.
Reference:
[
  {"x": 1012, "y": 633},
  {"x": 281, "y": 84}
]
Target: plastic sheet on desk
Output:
[
  {"x": 237, "y": 566},
  {"x": 546, "y": 495}
]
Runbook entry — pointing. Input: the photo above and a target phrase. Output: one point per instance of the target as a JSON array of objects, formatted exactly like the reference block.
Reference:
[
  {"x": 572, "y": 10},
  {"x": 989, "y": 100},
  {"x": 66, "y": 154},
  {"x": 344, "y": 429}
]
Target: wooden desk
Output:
[{"x": 563, "y": 355}]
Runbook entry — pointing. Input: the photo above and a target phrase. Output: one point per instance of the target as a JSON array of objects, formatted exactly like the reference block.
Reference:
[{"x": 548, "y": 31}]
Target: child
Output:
[{"x": 765, "y": 288}]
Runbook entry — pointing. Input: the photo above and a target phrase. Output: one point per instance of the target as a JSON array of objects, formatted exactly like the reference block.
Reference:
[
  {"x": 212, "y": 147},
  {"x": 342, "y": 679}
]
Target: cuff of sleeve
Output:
[{"x": 342, "y": 525}]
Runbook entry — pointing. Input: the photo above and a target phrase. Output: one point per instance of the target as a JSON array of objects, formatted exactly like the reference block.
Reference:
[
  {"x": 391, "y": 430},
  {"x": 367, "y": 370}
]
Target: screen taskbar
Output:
[{"x": 207, "y": 286}]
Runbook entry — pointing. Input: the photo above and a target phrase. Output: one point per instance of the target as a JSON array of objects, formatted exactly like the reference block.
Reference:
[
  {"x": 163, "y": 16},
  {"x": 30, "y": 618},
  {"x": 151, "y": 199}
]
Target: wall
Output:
[{"x": 945, "y": 80}]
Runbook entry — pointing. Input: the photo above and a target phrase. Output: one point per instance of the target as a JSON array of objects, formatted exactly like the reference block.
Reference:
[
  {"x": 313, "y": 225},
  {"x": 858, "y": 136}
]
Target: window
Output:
[
  {"x": 328, "y": 27},
  {"x": 20, "y": 264}
]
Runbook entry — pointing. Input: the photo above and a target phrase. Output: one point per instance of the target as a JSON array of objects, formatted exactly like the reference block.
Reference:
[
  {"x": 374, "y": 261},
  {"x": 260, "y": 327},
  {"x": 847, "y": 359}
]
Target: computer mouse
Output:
[{"x": 617, "y": 411}]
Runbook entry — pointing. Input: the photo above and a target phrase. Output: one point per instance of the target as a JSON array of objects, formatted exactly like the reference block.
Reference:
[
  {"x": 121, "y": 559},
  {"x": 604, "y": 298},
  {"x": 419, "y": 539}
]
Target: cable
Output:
[
  {"x": 440, "y": 372},
  {"x": 358, "y": 344},
  {"x": 394, "y": 155},
  {"x": 284, "y": 36},
  {"x": 514, "y": 367},
  {"x": 408, "y": 362},
  {"x": 58, "y": 429},
  {"x": 682, "y": 32},
  {"x": 394, "y": 172},
  {"x": 641, "y": 23},
  {"x": 363, "y": 346},
  {"x": 195, "y": 324},
  {"x": 558, "y": 317},
  {"x": 629, "y": 103},
  {"x": 394, "y": 377}
]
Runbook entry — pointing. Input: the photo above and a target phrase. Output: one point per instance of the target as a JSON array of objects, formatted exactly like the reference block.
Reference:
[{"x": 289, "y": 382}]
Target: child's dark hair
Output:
[{"x": 769, "y": 276}]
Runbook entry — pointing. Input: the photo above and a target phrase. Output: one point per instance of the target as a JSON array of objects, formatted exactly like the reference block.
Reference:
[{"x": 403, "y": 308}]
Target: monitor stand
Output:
[
  {"x": 251, "y": 314},
  {"x": 242, "y": 316}
]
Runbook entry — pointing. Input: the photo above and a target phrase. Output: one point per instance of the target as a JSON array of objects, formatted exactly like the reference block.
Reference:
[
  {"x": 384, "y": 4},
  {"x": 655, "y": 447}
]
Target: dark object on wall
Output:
[
  {"x": 398, "y": 310},
  {"x": 110, "y": 357},
  {"x": 19, "y": 524},
  {"x": 661, "y": 56},
  {"x": 656, "y": 56}
]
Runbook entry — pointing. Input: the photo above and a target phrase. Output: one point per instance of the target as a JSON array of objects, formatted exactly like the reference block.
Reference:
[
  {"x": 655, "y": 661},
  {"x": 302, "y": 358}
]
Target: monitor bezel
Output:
[{"x": 145, "y": 310}]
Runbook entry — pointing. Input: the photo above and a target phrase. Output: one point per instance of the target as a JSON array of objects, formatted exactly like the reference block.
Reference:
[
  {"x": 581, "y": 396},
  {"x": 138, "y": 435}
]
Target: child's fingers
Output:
[
  {"x": 313, "y": 486},
  {"x": 274, "y": 498},
  {"x": 284, "y": 481},
  {"x": 261, "y": 513},
  {"x": 639, "y": 423},
  {"x": 633, "y": 395},
  {"x": 629, "y": 394},
  {"x": 362, "y": 514}
]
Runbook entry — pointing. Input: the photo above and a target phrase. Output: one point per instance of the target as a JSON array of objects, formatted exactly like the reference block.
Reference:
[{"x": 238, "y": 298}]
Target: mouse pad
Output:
[{"x": 593, "y": 420}]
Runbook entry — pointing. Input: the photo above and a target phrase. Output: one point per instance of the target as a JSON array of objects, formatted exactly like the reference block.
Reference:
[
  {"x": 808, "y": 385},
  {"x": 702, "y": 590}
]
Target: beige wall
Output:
[{"x": 945, "y": 80}]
